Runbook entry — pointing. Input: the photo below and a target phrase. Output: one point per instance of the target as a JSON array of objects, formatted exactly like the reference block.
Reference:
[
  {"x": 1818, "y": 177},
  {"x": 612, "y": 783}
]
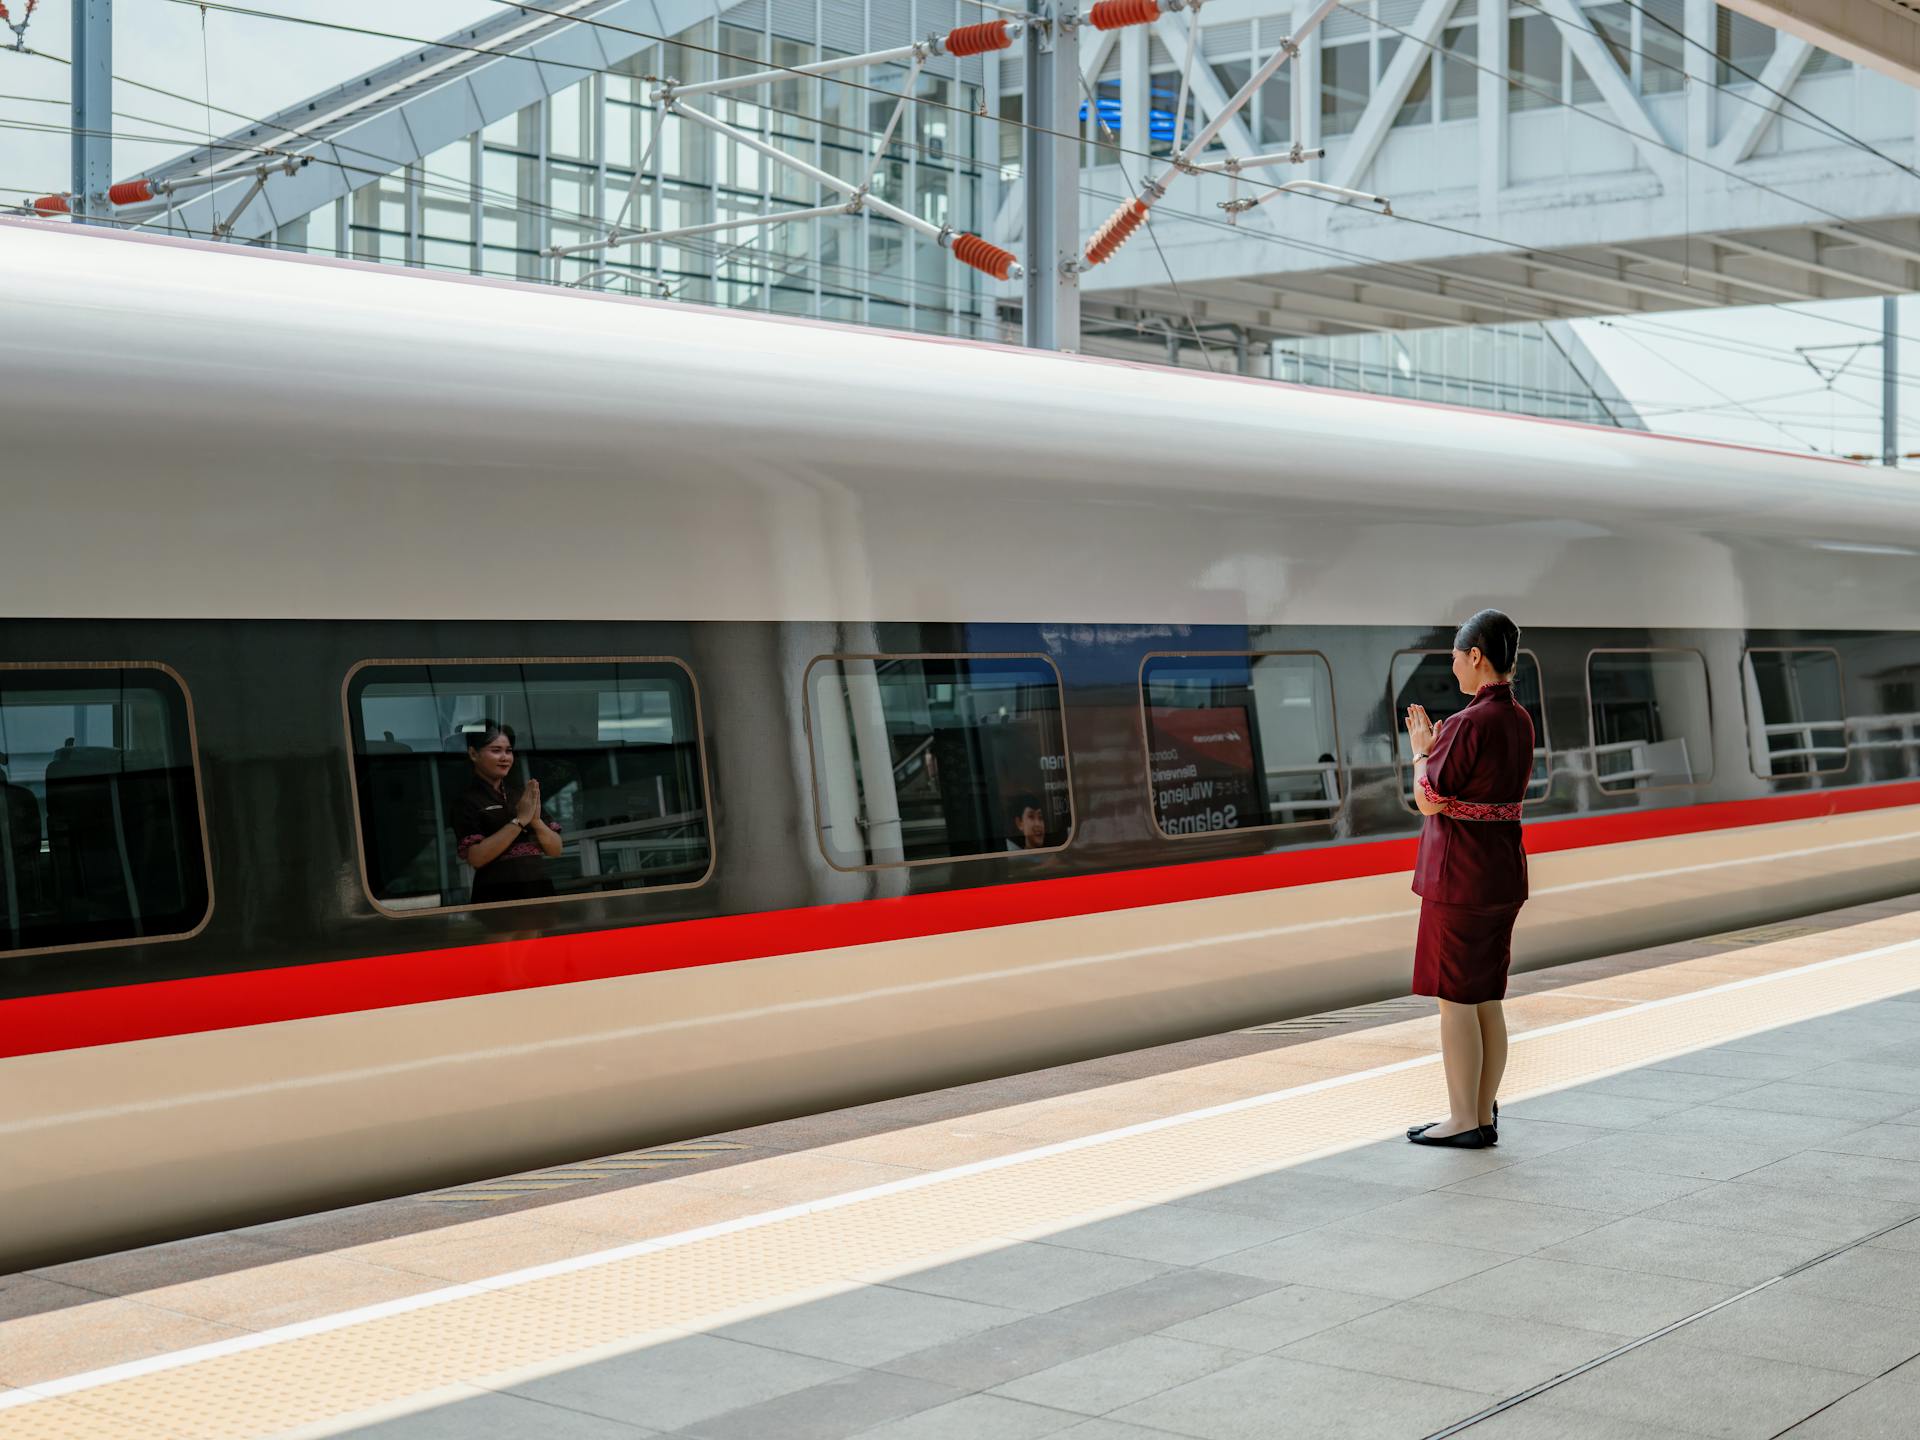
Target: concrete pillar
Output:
[
  {"x": 1699, "y": 25},
  {"x": 1492, "y": 42}
]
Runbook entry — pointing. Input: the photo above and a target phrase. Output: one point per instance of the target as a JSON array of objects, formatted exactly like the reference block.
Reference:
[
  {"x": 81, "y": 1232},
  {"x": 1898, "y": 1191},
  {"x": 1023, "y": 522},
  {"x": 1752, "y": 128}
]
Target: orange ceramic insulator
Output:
[
  {"x": 131, "y": 192},
  {"x": 1112, "y": 235},
  {"x": 983, "y": 255},
  {"x": 53, "y": 205},
  {"x": 1116, "y": 14},
  {"x": 978, "y": 39}
]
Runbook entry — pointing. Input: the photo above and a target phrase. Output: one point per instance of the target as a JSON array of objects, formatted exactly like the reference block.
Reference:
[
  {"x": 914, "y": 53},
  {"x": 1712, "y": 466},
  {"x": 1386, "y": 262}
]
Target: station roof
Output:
[
  {"x": 409, "y": 108},
  {"x": 1883, "y": 35}
]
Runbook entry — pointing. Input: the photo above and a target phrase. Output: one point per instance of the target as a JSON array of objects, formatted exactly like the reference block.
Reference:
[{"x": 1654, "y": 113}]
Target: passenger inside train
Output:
[
  {"x": 611, "y": 746},
  {"x": 1029, "y": 821},
  {"x": 504, "y": 837}
]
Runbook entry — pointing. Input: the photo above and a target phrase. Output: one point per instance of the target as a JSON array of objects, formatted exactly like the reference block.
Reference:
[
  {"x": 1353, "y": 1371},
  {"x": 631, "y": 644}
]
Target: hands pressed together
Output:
[{"x": 1420, "y": 729}]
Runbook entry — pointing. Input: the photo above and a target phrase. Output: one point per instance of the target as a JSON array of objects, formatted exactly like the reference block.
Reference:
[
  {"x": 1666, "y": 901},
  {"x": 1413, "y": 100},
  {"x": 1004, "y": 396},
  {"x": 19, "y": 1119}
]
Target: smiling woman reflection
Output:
[{"x": 500, "y": 830}]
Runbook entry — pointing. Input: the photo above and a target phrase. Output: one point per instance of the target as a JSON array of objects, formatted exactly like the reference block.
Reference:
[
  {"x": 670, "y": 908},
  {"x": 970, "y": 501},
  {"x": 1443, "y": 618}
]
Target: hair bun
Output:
[{"x": 1496, "y": 637}]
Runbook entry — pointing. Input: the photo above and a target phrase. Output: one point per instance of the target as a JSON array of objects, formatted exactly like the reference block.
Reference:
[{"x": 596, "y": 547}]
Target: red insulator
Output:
[
  {"x": 978, "y": 39},
  {"x": 131, "y": 192},
  {"x": 53, "y": 205},
  {"x": 983, "y": 255},
  {"x": 1116, "y": 14},
  {"x": 1112, "y": 235}
]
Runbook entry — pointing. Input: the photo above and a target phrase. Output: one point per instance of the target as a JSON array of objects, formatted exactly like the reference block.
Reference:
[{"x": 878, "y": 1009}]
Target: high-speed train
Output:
[{"x": 902, "y": 711}]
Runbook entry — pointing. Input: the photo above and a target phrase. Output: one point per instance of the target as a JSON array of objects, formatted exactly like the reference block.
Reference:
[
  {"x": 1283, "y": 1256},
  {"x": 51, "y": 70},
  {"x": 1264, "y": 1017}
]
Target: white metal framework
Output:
[{"x": 1655, "y": 154}]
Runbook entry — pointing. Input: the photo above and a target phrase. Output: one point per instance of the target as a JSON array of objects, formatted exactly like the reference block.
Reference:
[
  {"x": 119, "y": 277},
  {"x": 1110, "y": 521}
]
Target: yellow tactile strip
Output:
[{"x": 544, "y": 1317}]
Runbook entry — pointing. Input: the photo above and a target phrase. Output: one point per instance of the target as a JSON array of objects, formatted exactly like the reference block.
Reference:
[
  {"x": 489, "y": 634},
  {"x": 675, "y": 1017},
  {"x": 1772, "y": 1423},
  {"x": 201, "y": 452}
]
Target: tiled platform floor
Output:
[{"x": 1386, "y": 1291}]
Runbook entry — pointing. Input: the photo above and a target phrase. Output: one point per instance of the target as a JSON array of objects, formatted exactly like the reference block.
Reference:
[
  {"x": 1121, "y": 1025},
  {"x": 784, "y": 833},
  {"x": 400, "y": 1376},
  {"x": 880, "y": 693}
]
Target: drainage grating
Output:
[
  {"x": 1762, "y": 935},
  {"x": 534, "y": 1182},
  {"x": 1381, "y": 1013}
]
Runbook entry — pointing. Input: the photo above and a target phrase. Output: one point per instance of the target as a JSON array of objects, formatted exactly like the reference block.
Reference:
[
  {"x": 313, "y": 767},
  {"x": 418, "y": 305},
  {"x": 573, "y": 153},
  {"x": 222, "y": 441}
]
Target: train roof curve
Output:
[{"x": 842, "y": 467}]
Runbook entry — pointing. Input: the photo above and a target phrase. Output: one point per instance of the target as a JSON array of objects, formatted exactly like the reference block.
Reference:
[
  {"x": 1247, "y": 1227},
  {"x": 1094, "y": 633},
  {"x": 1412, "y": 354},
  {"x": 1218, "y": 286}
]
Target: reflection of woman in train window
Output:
[
  {"x": 1470, "y": 776},
  {"x": 500, "y": 831}
]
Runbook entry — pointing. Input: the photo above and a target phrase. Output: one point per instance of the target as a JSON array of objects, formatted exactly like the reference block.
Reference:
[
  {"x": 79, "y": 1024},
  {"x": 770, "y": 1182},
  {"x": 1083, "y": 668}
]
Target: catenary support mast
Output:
[
  {"x": 1890, "y": 381},
  {"x": 92, "y": 107},
  {"x": 1051, "y": 176}
]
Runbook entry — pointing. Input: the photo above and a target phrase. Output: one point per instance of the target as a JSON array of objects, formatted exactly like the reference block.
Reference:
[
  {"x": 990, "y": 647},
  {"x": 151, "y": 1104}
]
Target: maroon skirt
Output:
[{"x": 1463, "y": 951}]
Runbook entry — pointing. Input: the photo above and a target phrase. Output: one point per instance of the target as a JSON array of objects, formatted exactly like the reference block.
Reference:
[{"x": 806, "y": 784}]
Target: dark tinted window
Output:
[
  {"x": 1796, "y": 716},
  {"x": 100, "y": 835},
  {"x": 614, "y": 745},
  {"x": 937, "y": 757},
  {"x": 1425, "y": 677},
  {"x": 1885, "y": 732},
  {"x": 1652, "y": 725},
  {"x": 1240, "y": 742}
]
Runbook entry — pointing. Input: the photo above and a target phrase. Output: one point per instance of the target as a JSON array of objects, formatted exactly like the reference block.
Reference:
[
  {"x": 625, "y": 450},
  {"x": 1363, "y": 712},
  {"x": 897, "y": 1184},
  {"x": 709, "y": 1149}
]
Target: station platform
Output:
[{"x": 1702, "y": 1219}]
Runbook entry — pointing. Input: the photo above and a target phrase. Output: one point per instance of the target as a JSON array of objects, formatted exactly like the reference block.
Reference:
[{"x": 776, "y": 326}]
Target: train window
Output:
[
  {"x": 920, "y": 758},
  {"x": 1240, "y": 741},
  {"x": 1885, "y": 737},
  {"x": 613, "y": 745},
  {"x": 1796, "y": 716},
  {"x": 101, "y": 840},
  {"x": 1652, "y": 719},
  {"x": 1425, "y": 677}
]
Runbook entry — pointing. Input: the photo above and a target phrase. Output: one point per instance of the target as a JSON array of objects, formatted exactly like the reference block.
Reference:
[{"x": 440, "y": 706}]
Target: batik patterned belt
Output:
[{"x": 1467, "y": 809}]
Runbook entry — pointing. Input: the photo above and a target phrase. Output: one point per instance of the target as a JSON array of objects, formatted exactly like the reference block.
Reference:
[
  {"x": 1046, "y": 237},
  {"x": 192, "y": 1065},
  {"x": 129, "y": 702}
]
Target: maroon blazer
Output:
[{"x": 1479, "y": 767}]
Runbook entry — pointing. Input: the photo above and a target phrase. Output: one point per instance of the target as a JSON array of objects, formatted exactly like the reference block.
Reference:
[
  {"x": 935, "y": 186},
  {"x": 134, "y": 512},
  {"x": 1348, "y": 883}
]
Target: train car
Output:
[{"x": 904, "y": 710}]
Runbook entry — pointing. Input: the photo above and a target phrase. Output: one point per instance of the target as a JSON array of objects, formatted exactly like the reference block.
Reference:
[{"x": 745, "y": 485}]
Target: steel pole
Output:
[
  {"x": 1050, "y": 174},
  {"x": 92, "y": 107},
  {"x": 1890, "y": 381}
]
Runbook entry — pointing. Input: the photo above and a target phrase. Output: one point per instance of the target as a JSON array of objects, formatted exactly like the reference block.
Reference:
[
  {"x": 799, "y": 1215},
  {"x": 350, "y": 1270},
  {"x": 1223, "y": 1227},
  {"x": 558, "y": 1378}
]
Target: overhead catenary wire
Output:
[
  {"x": 1093, "y": 110},
  {"x": 588, "y": 219},
  {"x": 1815, "y": 120},
  {"x": 1601, "y": 271},
  {"x": 1702, "y": 381},
  {"x": 1524, "y": 82},
  {"x": 965, "y": 253},
  {"x": 1191, "y": 217},
  {"x": 1746, "y": 349},
  {"x": 385, "y": 167}
]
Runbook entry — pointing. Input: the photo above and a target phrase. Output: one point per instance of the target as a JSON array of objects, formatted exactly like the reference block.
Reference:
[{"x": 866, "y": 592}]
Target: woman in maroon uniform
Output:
[
  {"x": 502, "y": 834},
  {"x": 1470, "y": 776}
]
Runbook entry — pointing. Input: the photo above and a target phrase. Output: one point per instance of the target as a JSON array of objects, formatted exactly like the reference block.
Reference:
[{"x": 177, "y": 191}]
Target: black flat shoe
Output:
[
  {"x": 1474, "y": 1139},
  {"x": 1492, "y": 1131}
]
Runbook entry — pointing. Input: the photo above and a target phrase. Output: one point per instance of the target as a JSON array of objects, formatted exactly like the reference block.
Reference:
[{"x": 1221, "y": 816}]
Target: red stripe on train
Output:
[{"x": 41, "y": 1023}]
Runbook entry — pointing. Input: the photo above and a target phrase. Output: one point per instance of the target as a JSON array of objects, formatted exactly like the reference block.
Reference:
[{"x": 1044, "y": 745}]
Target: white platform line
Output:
[{"x": 320, "y": 1325}]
